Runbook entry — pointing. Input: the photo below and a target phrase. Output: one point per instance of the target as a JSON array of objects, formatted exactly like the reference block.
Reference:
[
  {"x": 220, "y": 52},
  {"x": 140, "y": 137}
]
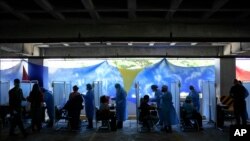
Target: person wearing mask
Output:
[
  {"x": 195, "y": 98},
  {"x": 74, "y": 107},
  {"x": 169, "y": 114},
  {"x": 89, "y": 105},
  {"x": 36, "y": 101},
  {"x": 238, "y": 93},
  {"x": 121, "y": 103},
  {"x": 49, "y": 101},
  {"x": 15, "y": 100},
  {"x": 157, "y": 99}
]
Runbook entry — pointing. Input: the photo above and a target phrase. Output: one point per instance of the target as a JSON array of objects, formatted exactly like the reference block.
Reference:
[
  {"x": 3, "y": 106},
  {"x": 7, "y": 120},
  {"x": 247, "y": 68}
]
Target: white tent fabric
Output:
[
  {"x": 4, "y": 93},
  {"x": 175, "y": 90},
  {"x": 209, "y": 100}
]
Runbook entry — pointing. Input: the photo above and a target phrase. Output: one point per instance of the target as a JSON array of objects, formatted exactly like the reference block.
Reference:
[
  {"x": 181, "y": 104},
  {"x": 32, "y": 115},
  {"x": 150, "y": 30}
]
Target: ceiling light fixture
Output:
[
  {"x": 87, "y": 44},
  {"x": 65, "y": 44},
  {"x": 108, "y": 43},
  {"x": 151, "y": 44},
  {"x": 193, "y": 44},
  {"x": 43, "y": 45},
  {"x": 172, "y": 44}
]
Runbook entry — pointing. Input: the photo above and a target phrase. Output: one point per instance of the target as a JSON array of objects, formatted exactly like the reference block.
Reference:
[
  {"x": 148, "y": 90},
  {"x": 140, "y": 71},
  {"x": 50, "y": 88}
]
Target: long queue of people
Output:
[
  {"x": 38, "y": 96},
  {"x": 163, "y": 99}
]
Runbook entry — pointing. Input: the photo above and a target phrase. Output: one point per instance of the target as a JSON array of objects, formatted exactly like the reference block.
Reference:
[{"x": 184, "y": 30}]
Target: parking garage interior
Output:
[{"x": 137, "y": 43}]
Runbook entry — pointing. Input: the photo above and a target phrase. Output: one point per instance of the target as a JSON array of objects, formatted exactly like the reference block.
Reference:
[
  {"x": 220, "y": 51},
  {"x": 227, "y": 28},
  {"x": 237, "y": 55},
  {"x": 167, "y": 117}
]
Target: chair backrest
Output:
[
  {"x": 227, "y": 100},
  {"x": 102, "y": 114}
]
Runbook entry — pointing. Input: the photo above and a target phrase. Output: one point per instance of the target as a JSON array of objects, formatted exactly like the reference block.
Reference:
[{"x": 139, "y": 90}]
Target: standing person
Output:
[
  {"x": 238, "y": 93},
  {"x": 195, "y": 98},
  {"x": 36, "y": 100},
  {"x": 74, "y": 107},
  {"x": 157, "y": 99},
  {"x": 15, "y": 100},
  {"x": 49, "y": 100},
  {"x": 246, "y": 95},
  {"x": 89, "y": 105},
  {"x": 169, "y": 114},
  {"x": 121, "y": 103}
]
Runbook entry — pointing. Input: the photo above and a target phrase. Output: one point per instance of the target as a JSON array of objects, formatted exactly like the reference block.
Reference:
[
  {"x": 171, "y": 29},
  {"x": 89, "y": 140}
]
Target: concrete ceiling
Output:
[
  {"x": 99, "y": 28},
  {"x": 127, "y": 10}
]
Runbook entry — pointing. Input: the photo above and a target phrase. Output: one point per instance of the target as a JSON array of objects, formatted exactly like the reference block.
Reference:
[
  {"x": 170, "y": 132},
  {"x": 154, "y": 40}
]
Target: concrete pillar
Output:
[
  {"x": 37, "y": 71},
  {"x": 225, "y": 72}
]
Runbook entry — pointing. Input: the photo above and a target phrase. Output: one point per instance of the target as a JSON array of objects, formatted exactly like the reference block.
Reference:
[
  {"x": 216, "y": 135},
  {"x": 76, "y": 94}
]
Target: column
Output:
[{"x": 225, "y": 72}]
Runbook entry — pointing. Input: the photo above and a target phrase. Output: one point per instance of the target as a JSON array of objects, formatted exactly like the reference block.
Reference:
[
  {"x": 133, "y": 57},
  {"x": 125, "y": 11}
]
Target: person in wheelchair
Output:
[
  {"x": 189, "y": 112},
  {"x": 105, "y": 115},
  {"x": 147, "y": 117}
]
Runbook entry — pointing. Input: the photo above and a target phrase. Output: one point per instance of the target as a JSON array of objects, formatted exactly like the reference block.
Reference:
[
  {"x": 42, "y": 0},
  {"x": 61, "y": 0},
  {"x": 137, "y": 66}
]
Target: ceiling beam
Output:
[
  {"x": 61, "y": 32},
  {"x": 9, "y": 9},
  {"x": 88, "y": 4},
  {"x": 217, "y": 5},
  {"x": 173, "y": 8},
  {"x": 118, "y": 51},
  {"x": 44, "y": 4},
  {"x": 131, "y": 8}
]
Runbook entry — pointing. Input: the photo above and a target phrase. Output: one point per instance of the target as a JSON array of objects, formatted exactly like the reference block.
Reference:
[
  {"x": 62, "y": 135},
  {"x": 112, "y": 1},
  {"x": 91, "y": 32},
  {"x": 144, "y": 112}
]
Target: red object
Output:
[
  {"x": 242, "y": 75},
  {"x": 25, "y": 74}
]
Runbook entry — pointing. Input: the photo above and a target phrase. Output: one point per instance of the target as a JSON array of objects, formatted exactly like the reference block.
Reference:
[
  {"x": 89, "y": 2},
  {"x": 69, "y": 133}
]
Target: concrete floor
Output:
[{"x": 128, "y": 133}]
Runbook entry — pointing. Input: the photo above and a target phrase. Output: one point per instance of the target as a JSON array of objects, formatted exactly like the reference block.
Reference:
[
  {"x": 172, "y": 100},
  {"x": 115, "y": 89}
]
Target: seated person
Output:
[
  {"x": 145, "y": 115},
  {"x": 190, "y": 111},
  {"x": 104, "y": 103},
  {"x": 104, "y": 110}
]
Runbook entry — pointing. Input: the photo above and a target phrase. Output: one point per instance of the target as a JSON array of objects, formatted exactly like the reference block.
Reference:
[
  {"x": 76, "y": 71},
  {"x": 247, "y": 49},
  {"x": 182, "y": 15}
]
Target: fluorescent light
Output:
[
  {"x": 151, "y": 44},
  {"x": 130, "y": 43},
  {"x": 172, "y": 44},
  {"x": 108, "y": 43},
  {"x": 193, "y": 44},
  {"x": 87, "y": 44},
  {"x": 65, "y": 44},
  {"x": 43, "y": 45}
]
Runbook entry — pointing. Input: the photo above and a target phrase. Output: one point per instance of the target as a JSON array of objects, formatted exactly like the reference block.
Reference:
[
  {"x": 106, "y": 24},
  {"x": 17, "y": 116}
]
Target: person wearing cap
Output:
[
  {"x": 195, "y": 98},
  {"x": 15, "y": 100},
  {"x": 121, "y": 105},
  {"x": 169, "y": 114},
  {"x": 74, "y": 107},
  {"x": 89, "y": 105},
  {"x": 157, "y": 99}
]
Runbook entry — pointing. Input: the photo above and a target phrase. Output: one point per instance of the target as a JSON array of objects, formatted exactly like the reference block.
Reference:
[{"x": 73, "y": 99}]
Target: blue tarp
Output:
[
  {"x": 161, "y": 73},
  {"x": 164, "y": 73},
  {"x": 104, "y": 72}
]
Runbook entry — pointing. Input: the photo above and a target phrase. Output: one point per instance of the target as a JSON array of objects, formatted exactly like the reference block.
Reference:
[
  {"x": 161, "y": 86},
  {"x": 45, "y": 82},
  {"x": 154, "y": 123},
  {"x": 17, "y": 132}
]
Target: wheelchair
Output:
[
  {"x": 148, "y": 122},
  {"x": 188, "y": 123}
]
